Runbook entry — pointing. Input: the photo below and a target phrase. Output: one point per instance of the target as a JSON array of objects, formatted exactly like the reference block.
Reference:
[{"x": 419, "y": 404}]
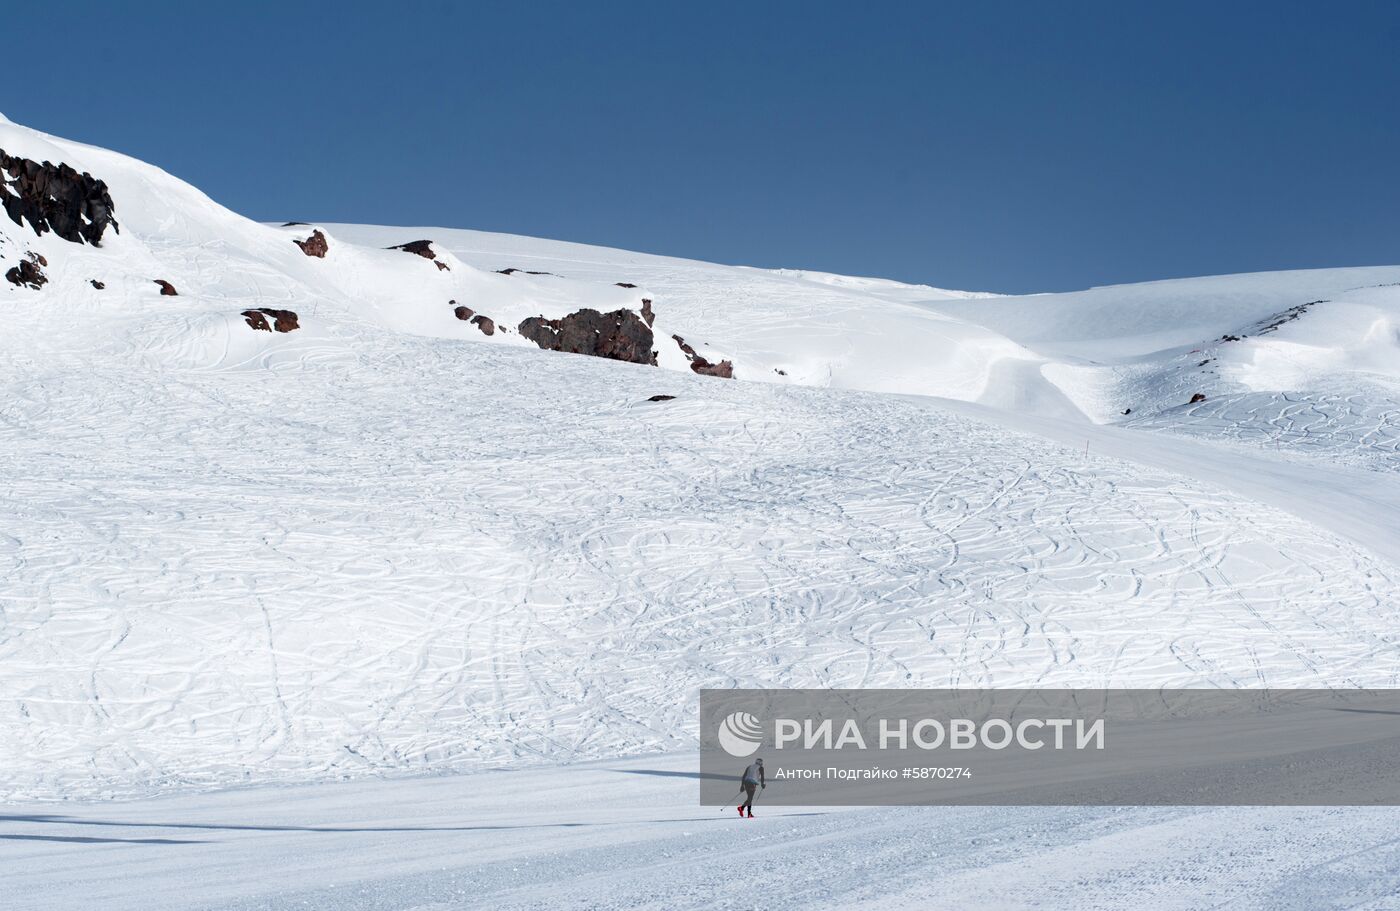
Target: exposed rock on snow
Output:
[
  {"x": 647, "y": 313},
  {"x": 624, "y": 284},
  {"x": 621, "y": 335},
  {"x": 283, "y": 320},
  {"x": 28, "y": 273},
  {"x": 97, "y": 284},
  {"x": 485, "y": 323},
  {"x": 315, "y": 245},
  {"x": 166, "y": 288},
  {"x": 702, "y": 366},
  {"x": 1198, "y": 397},
  {"x": 423, "y": 248},
  {"x": 76, "y": 207},
  {"x": 660, "y": 398},
  {"x": 512, "y": 270},
  {"x": 1274, "y": 323}
]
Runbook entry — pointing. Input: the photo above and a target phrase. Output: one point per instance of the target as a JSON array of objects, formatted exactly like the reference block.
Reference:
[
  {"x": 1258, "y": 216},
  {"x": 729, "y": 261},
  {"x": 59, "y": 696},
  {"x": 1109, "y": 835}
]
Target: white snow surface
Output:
[
  {"x": 387, "y": 545},
  {"x": 627, "y": 833}
]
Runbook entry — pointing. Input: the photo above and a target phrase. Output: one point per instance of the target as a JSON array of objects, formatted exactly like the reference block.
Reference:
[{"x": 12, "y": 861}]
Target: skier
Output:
[{"x": 750, "y": 783}]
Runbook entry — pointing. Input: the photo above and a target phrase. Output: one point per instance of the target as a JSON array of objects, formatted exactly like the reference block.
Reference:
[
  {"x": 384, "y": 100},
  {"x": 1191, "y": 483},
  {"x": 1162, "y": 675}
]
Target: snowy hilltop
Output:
[{"x": 300, "y": 501}]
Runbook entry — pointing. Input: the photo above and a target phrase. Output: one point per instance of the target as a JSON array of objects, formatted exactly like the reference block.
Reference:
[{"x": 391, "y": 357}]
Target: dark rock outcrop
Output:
[
  {"x": 282, "y": 320},
  {"x": 423, "y": 248},
  {"x": 97, "y": 284},
  {"x": 661, "y": 398},
  {"x": 76, "y": 207},
  {"x": 315, "y": 245},
  {"x": 1273, "y": 323},
  {"x": 166, "y": 289},
  {"x": 724, "y": 369},
  {"x": 621, "y": 335},
  {"x": 28, "y": 273},
  {"x": 512, "y": 270},
  {"x": 1198, "y": 397},
  {"x": 624, "y": 284},
  {"x": 702, "y": 366},
  {"x": 485, "y": 323}
]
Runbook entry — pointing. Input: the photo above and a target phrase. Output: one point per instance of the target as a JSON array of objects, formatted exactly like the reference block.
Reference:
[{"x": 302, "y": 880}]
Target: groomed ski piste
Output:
[{"x": 388, "y": 612}]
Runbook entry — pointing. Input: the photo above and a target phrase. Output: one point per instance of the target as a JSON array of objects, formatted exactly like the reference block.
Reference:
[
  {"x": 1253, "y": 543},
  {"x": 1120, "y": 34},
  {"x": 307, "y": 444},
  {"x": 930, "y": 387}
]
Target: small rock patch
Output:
[
  {"x": 282, "y": 320},
  {"x": 423, "y": 248},
  {"x": 700, "y": 365},
  {"x": 315, "y": 245},
  {"x": 28, "y": 273}
]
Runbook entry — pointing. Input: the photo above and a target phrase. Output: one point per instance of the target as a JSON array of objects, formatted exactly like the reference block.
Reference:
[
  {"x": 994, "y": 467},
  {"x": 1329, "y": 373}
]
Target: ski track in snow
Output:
[
  {"x": 345, "y": 570},
  {"x": 626, "y": 834},
  {"x": 1335, "y": 428}
]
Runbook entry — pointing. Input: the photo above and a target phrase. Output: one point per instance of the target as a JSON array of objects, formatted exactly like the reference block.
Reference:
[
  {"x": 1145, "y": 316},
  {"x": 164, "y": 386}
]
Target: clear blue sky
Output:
[{"x": 1011, "y": 147}]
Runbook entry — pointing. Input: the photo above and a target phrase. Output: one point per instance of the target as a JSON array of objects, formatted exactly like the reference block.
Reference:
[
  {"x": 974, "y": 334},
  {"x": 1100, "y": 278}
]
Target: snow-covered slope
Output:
[
  {"x": 1301, "y": 363},
  {"x": 1308, "y": 358},
  {"x": 788, "y": 326},
  {"x": 387, "y": 541}
]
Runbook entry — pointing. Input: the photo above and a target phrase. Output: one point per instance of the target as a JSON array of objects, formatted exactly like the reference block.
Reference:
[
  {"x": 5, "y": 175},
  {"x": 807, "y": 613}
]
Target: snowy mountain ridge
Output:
[{"x": 1105, "y": 353}]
